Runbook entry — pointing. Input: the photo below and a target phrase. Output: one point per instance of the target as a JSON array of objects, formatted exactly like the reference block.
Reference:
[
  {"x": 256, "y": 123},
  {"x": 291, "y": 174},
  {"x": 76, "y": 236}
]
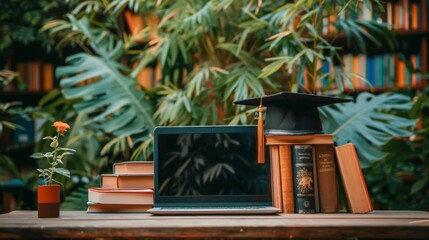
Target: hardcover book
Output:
[
  {"x": 117, "y": 208},
  {"x": 353, "y": 181},
  {"x": 120, "y": 196},
  {"x": 280, "y": 147},
  {"x": 327, "y": 178},
  {"x": 126, "y": 180},
  {"x": 133, "y": 167},
  {"x": 304, "y": 179},
  {"x": 276, "y": 177},
  {"x": 287, "y": 179}
]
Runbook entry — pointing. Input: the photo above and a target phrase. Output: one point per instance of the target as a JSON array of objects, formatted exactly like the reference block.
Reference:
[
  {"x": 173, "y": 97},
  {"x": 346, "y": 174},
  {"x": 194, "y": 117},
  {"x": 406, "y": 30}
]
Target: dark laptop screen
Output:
[{"x": 209, "y": 161}]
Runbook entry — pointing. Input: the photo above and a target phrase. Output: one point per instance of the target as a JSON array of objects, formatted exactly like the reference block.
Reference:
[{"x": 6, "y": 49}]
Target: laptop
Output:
[{"x": 209, "y": 170}]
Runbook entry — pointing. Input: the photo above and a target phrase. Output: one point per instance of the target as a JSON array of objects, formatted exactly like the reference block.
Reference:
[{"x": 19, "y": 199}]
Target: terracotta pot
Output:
[{"x": 48, "y": 201}]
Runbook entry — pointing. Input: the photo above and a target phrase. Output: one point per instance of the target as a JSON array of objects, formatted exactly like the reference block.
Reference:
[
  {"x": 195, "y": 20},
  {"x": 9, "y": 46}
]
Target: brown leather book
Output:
[
  {"x": 286, "y": 179},
  {"x": 353, "y": 181},
  {"x": 327, "y": 178}
]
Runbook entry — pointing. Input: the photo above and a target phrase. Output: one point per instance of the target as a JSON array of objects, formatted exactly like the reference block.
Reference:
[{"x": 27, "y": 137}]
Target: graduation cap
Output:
[{"x": 289, "y": 114}]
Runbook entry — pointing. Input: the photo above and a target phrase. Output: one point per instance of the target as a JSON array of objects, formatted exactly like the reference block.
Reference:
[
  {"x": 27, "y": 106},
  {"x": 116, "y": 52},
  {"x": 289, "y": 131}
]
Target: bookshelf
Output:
[
  {"x": 35, "y": 68},
  {"x": 397, "y": 67}
]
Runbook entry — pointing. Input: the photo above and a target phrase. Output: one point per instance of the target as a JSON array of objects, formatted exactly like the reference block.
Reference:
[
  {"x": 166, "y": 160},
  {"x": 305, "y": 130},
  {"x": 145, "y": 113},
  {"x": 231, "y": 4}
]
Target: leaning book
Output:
[
  {"x": 355, "y": 188},
  {"x": 120, "y": 196},
  {"x": 117, "y": 208}
]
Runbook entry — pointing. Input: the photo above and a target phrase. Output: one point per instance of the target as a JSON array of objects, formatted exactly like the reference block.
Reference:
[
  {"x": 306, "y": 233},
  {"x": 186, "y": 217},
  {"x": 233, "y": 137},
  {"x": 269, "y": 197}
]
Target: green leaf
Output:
[
  {"x": 419, "y": 185},
  {"x": 272, "y": 68},
  {"x": 63, "y": 171},
  {"x": 37, "y": 155},
  {"x": 101, "y": 98},
  {"x": 367, "y": 123},
  {"x": 67, "y": 149}
]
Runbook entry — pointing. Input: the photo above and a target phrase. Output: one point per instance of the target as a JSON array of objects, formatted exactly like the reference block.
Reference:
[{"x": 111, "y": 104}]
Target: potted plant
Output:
[{"x": 48, "y": 195}]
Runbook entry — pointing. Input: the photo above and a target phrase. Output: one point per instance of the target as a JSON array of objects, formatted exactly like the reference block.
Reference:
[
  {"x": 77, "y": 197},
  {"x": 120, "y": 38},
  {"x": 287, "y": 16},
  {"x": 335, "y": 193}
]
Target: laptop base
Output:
[{"x": 213, "y": 211}]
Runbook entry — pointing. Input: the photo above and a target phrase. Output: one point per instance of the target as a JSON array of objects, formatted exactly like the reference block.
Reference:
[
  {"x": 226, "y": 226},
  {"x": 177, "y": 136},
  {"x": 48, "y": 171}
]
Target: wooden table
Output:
[{"x": 79, "y": 224}]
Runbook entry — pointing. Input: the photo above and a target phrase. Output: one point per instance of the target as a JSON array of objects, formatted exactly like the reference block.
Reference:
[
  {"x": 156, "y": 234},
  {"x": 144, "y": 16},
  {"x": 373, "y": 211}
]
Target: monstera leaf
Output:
[
  {"x": 107, "y": 95},
  {"x": 368, "y": 123},
  {"x": 110, "y": 98}
]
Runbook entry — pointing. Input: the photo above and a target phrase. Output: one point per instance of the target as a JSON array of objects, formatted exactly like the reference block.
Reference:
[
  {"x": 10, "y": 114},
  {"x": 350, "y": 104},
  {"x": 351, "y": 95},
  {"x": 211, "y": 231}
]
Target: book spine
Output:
[
  {"x": 303, "y": 177},
  {"x": 327, "y": 178},
  {"x": 286, "y": 179},
  {"x": 276, "y": 177}
]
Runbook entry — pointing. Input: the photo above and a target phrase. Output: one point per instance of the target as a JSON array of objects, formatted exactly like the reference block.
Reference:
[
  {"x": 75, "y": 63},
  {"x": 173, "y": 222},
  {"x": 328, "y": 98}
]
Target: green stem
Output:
[{"x": 54, "y": 160}]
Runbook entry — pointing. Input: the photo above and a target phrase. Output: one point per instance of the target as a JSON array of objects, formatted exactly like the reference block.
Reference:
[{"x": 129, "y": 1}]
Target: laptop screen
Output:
[{"x": 209, "y": 164}]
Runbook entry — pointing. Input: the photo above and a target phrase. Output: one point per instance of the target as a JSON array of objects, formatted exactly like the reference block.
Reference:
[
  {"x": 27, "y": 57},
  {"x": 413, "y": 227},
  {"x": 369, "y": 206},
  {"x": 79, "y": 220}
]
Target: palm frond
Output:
[{"x": 112, "y": 99}]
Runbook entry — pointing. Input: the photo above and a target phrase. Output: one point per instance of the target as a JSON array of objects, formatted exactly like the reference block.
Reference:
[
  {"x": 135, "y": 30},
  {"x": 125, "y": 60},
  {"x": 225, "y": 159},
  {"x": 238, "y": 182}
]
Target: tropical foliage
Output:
[
  {"x": 211, "y": 53},
  {"x": 369, "y": 123},
  {"x": 401, "y": 179}
]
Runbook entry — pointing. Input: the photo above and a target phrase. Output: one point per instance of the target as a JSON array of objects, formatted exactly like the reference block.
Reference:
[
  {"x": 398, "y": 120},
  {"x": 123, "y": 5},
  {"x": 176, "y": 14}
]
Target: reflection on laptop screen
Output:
[{"x": 210, "y": 164}]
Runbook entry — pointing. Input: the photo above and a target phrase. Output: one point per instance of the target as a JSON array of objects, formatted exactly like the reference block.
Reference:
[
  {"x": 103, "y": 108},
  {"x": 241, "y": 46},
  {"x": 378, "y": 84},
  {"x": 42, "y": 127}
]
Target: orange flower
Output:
[{"x": 61, "y": 126}]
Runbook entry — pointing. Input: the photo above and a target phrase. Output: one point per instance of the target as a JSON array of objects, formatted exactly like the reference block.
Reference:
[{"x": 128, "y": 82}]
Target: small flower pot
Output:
[{"x": 48, "y": 201}]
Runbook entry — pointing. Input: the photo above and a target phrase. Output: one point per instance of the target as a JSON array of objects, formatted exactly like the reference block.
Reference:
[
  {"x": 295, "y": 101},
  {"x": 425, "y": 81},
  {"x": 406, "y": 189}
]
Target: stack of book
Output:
[
  {"x": 305, "y": 177},
  {"x": 128, "y": 189}
]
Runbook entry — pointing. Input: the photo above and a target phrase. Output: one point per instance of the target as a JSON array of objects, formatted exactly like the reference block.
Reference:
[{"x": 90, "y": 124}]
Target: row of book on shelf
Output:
[
  {"x": 387, "y": 70},
  {"x": 34, "y": 76},
  {"x": 305, "y": 177},
  {"x": 128, "y": 189},
  {"x": 402, "y": 15}
]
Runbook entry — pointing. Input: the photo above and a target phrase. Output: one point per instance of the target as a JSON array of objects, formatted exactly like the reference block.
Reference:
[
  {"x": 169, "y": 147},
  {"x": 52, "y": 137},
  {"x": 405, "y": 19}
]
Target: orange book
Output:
[
  {"x": 414, "y": 16},
  {"x": 332, "y": 20},
  {"x": 126, "y": 180},
  {"x": 355, "y": 70},
  {"x": 145, "y": 77},
  {"x": 135, "y": 24},
  {"x": 286, "y": 179},
  {"x": 400, "y": 73},
  {"x": 276, "y": 177},
  {"x": 353, "y": 181},
  {"x": 413, "y": 59},
  {"x": 134, "y": 167},
  {"x": 48, "y": 76},
  {"x": 117, "y": 208},
  {"x": 120, "y": 196}
]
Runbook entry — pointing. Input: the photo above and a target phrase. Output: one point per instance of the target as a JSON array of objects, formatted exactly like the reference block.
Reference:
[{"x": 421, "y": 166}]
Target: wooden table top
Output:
[{"x": 79, "y": 224}]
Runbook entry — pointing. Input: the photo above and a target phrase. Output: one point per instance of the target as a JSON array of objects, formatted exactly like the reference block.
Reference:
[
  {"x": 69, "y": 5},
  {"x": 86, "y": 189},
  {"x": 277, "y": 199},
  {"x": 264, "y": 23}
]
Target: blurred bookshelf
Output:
[{"x": 401, "y": 68}]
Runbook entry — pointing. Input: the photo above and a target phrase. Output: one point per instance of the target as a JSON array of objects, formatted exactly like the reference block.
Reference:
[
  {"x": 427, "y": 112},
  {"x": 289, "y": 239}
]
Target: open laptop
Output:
[{"x": 209, "y": 170}]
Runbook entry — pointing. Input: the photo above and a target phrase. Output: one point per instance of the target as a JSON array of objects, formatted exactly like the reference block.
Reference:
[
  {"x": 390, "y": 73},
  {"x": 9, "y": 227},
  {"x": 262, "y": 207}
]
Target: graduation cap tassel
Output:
[{"x": 261, "y": 137}]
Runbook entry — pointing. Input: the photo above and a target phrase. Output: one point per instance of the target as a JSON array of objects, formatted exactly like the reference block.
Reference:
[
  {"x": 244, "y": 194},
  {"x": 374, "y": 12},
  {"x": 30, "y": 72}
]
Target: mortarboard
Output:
[{"x": 290, "y": 113}]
